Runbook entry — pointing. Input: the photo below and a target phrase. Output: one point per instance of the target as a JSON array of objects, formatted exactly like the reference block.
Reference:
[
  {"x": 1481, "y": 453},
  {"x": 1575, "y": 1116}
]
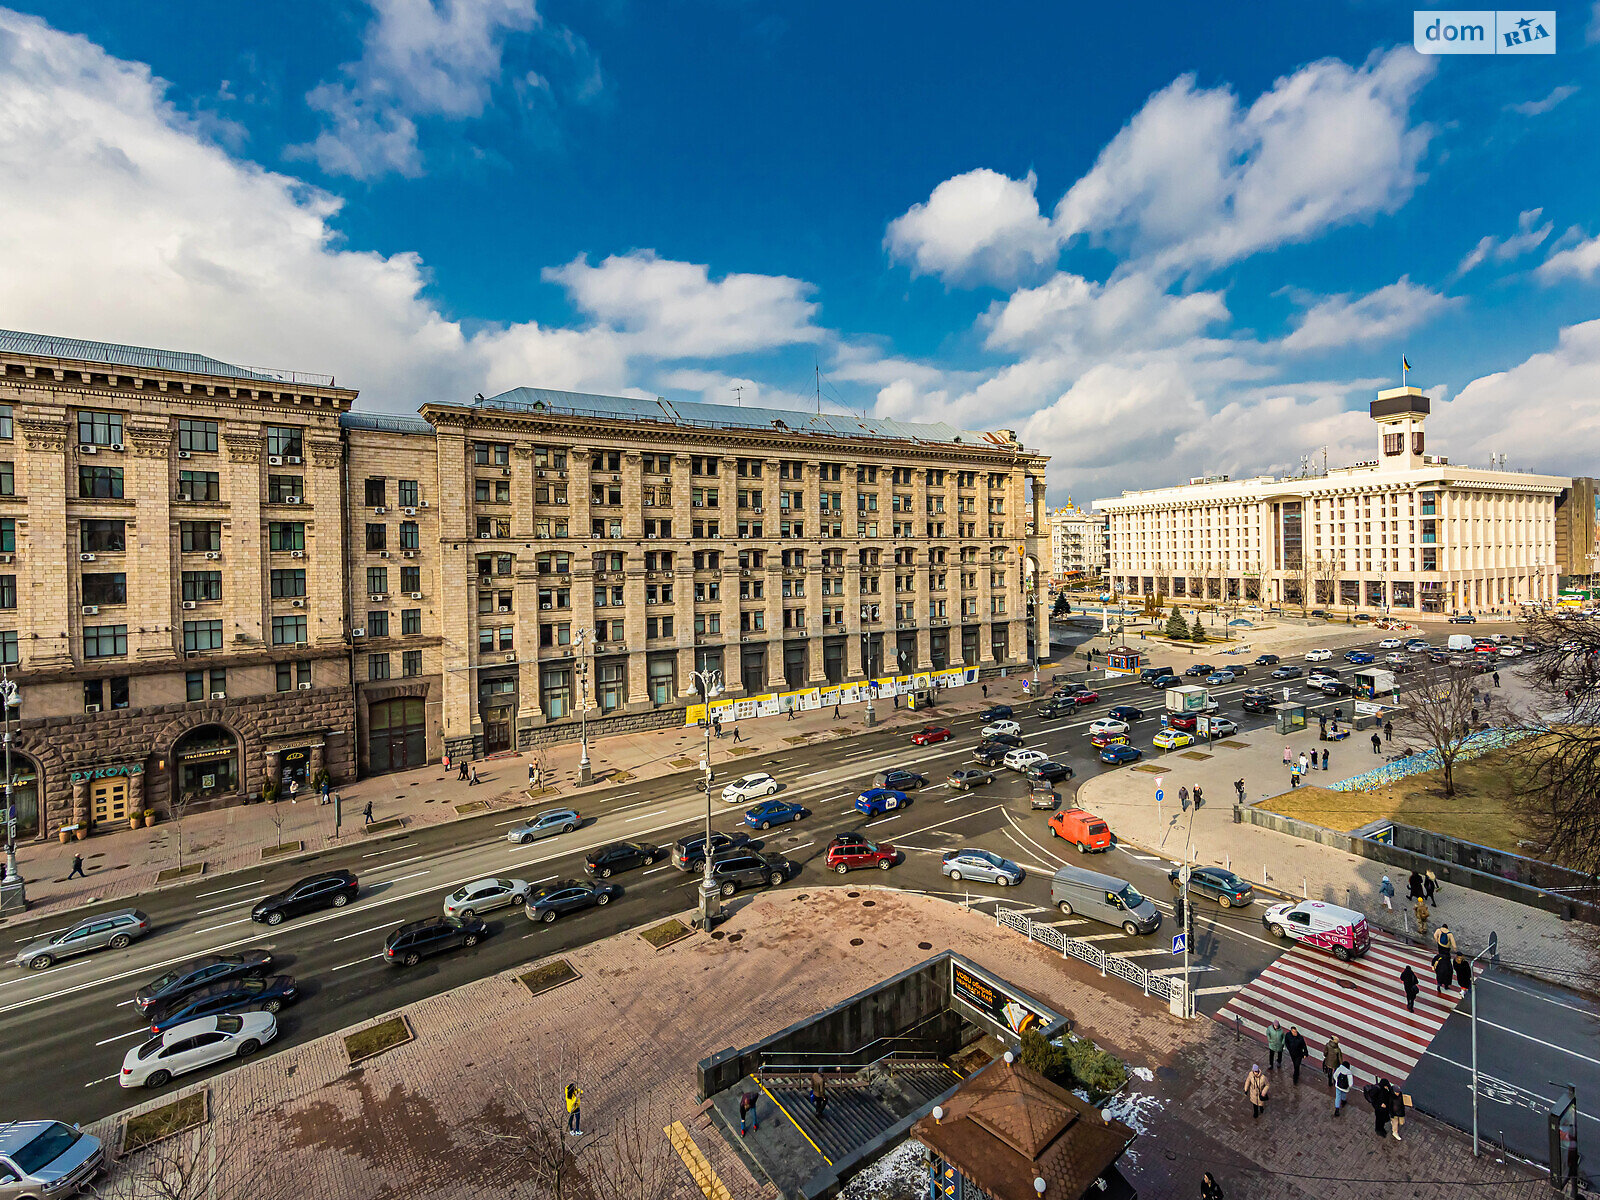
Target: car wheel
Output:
[
  {"x": 728, "y": 889},
  {"x": 246, "y": 1048},
  {"x": 158, "y": 1079},
  {"x": 884, "y": 864},
  {"x": 955, "y": 876},
  {"x": 648, "y": 859},
  {"x": 1342, "y": 954},
  {"x": 120, "y": 942},
  {"x": 1082, "y": 849},
  {"x": 772, "y": 791},
  {"x": 842, "y": 869},
  {"x": 765, "y": 825},
  {"x": 1278, "y": 931},
  {"x": 1225, "y": 902},
  {"x": 548, "y": 915},
  {"x": 525, "y": 839},
  {"x": 470, "y": 940},
  {"x": 603, "y": 898},
  {"x": 604, "y": 872},
  {"x": 412, "y": 959},
  {"x": 775, "y": 878},
  {"x": 274, "y": 918},
  {"x": 1129, "y": 928},
  {"x": 40, "y": 962},
  {"x": 1066, "y": 909},
  {"x": 568, "y": 827},
  {"x": 341, "y": 900},
  {"x": 272, "y": 1006}
]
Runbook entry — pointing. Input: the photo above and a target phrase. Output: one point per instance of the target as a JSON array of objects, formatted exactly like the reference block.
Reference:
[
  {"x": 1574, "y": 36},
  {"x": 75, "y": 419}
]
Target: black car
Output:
[
  {"x": 268, "y": 995},
  {"x": 1463, "y": 619},
  {"x": 201, "y": 972},
  {"x": 1258, "y": 705},
  {"x": 1199, "y": 669},
  {"x": 331, "y": 889},
  {"x": 1150, "y": 674},
  {"x": 415, "y": 940},
  {"x": 898, "y": 780},
  {"x": 1071, "y": 689},
  {"x": 1162, "y": 682},
  {"x": 567, "y": 895},
  {"x": 620, "y": 856},
  {"x": 1009, "y": 740},
  {"x": 1048, "y": 771},
  {"x": 746, "y": 868},
  {"x": 1266, "y": 660},
  {"x": 1223, "y": 886},
  {"x": 688, "y": 853},
  {"x": 1125, "y": 712},
  {"x": 990, "y": 754},
  {"x": 1055, "y": 708},
  {"x": 995, "y": 712},
  {"x": 1332, "y": 687},
  {"x": 1438, "y": 656}
]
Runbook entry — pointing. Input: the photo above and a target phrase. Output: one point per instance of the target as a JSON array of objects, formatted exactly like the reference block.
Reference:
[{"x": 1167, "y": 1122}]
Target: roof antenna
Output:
[
  {"x": 738, "y": 395},
  {"x": 817, "y": 368}
]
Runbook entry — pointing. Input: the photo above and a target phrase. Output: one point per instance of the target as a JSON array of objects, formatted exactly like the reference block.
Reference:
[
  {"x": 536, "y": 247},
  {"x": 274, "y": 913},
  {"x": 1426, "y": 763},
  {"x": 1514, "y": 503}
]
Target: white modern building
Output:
[
  {"x": 1077, "y": 542},
  {"x": 1405, "y": 531}
]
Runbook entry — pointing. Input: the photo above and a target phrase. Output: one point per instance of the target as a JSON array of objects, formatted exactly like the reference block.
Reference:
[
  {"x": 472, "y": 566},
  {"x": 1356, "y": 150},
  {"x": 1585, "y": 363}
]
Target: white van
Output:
[
  {"x": 1459, "y": 641},
  {"x": 1342, "y": 931},
  {"x": 1021, "y": 760}
]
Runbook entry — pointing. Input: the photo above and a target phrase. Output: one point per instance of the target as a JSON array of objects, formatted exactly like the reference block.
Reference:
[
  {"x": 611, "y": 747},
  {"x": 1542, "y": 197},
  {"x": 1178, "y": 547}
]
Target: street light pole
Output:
[
  {"x": 13, "y": 881},
  {"x": 585, "y": 776},
  {"x": 866, "y": 654},
  {"x": 707, "y": 684}
]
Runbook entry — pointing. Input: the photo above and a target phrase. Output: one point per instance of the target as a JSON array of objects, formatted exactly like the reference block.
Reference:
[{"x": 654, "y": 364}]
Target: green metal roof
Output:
[{"x": 111, "y": 354}]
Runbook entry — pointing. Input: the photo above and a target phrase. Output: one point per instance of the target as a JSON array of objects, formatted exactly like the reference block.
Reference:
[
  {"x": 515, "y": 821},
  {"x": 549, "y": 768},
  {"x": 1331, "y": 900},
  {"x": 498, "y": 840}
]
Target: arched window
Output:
[{"x": 207, "y": 759}]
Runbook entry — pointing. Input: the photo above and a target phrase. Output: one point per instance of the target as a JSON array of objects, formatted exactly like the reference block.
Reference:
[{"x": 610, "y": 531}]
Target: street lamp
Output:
[
  {"x": 866, "y": 658},
  {"x": 585, "y": 777},
  {"x": 707, "y": 684},
  {"x": 13, "y": 890}
]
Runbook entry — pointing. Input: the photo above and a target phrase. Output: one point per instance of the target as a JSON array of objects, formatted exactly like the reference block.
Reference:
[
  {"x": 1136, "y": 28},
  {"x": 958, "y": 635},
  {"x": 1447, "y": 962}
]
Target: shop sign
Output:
[{"x": 108, "y": 772}]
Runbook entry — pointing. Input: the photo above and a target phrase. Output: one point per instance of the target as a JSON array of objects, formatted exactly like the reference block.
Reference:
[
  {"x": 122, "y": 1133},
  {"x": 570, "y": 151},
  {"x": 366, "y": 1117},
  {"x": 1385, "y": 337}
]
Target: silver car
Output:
[
  {"x": 109, "y": 931},
  {"x": 981, "y": 866},
  {"x": 545, "y": 824},
  {"x": 46, "y": 1158},
  {"x": 483, "y": 895}
]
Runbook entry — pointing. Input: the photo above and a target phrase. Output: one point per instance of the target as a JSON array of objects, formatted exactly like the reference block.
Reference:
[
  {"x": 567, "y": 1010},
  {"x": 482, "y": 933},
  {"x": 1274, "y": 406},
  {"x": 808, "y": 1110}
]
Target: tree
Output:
[
  {"x": 177, "y": 807},
  {"x": 1176, "y": 626},
  {"x": 1197, "y": 631},
  {"x": 219, "y": 1159},
  {"x": 1439, "y": 715},
  {"x": 1328, "y": 569}
]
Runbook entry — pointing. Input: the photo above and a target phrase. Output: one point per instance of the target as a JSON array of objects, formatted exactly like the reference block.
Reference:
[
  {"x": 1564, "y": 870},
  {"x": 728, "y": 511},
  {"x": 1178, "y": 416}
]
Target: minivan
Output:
[
  {"x": 1151, "y": 674},
  {"x": 1078, "y": 892}
]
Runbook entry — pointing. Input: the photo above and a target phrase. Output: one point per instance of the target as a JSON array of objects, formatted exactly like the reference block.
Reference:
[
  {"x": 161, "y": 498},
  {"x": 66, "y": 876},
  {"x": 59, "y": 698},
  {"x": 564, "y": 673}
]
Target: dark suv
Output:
[
  {"x": 746, "y": 868},
  {"x": 331, "y": 889},
  {"x": 898, "y": 780},
  {"x": 412, "y": 942},
  {"x": 989, "y": 753},
  {"x": 619, "y": 856},
  {"x": 688, "y": 853}
]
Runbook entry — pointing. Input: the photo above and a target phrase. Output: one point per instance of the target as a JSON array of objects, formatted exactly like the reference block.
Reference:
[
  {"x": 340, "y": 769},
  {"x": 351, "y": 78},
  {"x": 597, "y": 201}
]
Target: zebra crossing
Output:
[{"x": 1360, "y": 1002}]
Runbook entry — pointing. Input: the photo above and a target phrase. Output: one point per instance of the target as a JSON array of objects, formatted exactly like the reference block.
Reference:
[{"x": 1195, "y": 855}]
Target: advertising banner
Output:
[{"x": 994, "y": 1001}]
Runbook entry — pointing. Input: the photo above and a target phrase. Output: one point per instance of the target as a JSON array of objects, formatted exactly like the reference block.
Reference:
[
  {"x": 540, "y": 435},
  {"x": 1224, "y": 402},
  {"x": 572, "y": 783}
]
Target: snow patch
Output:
[
  {"x": 901, "y": 1174},
  {"x": 1144, "y": 1073},
  {"x": 1136, "y": 1110}
]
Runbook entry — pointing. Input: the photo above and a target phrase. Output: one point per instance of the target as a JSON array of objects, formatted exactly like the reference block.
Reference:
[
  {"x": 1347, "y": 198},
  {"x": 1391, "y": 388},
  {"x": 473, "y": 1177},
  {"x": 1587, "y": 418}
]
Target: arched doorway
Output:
[
  {"x": 397, "y": 734},
  {"x": 207, "y": 762},
  {"x": 25, "y": 794}
]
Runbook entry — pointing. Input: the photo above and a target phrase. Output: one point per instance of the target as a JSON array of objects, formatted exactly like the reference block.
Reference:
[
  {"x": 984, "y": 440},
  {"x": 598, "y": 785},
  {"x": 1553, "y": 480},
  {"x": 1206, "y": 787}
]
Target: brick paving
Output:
[{"x": 447, "y": 1114}]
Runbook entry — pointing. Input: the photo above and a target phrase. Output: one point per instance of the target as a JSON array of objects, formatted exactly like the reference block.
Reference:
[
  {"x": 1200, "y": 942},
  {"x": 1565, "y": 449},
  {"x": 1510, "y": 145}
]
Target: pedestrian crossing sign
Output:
[{"x": 1180, "y": 942}]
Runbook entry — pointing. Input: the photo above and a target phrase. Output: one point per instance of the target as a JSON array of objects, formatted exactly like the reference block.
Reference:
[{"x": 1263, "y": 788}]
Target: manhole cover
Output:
[
  {"x": 853, "y": 895},
  {"x": 1347, "y": 983},
  {"x": 924, "y": 945},
  {"x": 868, "y": 903},
  {"x": 855, "y": 941},
  {"x": 803, "y": 896},
  {"x": 735, "y": 937},
  {"x": 718, "y": 935}
]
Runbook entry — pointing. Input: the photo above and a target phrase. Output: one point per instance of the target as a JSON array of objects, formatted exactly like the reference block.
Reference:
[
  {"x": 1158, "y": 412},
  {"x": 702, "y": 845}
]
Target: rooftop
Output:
[
  {"x": 112, "y": 354},
  {"x": 350, "y": 420}
]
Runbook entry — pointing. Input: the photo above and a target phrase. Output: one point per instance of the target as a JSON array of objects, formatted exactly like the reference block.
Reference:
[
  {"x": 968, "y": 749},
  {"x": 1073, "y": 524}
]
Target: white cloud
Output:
[
  {"x": 1348, "y": 320},
  {"x": 1194, "y": 180},
  {"x": 1131, "y": 311},
  {"x": 1529, "y": 236},
  {"x": 1592, "y": 34},
  {"x": 981, "y": 227},
  {"x": 1536, "y": 108},
  {"x": 1578, "y": 257}
]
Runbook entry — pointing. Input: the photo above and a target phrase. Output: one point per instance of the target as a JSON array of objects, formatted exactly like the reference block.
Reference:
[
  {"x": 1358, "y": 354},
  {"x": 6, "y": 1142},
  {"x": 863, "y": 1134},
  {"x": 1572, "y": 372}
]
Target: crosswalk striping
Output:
[{"x": 1360, "y": 1002}]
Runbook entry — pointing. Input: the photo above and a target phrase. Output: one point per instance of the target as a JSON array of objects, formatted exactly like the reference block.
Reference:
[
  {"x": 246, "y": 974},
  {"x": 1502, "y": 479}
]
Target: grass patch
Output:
[
  {"x": 1196, "y": 755},
  {"x": 375, "y": 1039},
  {"x": 620, "y": 776},
  {"x": 663, "y": 935},
  {"x": 389, "y": 824},
  {"x": 745, "y": 750},
  {"x": 472, "y": 806},
  {"x": 148, "y": 1128},
  {"x": 1480, "y": 811},
  {"x": 286, "y": 848},
  {"x": 1234, "y": 745},
  {"x": 1149, "y": 768},
  {"x": 551, "y": 975},
  {"x": 681, "y": 763},
  {"x": 183, "y": 872},
  {"x": 535, "y": 793},
  {"x": 795, "y": 741}
]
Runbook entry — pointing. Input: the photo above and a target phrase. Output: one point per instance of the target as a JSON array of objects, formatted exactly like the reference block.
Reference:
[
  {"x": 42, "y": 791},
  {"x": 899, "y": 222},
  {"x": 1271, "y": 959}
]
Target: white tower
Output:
[{"x": 1400, "y": 413}]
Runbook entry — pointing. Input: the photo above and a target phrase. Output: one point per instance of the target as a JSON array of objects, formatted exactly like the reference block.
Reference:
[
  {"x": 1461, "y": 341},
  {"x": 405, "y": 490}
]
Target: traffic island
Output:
[
  {"x": 187, "y": 871},
  {"x": 663, "y": 935},
  {"x": 269, "y": 852}
]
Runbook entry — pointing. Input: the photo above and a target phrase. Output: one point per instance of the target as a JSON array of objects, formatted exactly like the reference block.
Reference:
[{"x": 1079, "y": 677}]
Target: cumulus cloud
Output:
[
  {"x": 981, "y": 227},
  {"x": 1578, "y": 258},
  {"x": 1536, "y": 108},
  {"x": 1377, "y": 316},
  {"x": 1529, "y": 236}
]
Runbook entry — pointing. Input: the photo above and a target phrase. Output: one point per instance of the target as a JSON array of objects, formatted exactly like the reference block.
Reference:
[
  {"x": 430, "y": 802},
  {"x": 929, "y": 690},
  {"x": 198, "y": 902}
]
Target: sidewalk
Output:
[{"x": 122, "y": 862}]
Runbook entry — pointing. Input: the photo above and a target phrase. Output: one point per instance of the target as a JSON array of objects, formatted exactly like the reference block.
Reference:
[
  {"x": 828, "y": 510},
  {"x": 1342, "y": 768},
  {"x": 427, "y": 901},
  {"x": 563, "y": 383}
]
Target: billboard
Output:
[{"x": 995, "y": 1002}]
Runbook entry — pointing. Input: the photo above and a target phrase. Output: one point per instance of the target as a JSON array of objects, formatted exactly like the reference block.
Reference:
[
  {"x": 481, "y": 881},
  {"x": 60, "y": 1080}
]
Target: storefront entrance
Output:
[
  {"x": 25, "y": 795},
  {"x": 108, "y": 800},
  {"x": 208, "y": 764},
  {"x": 296, "y": 766},
  {"x": 396, "y": 735}
]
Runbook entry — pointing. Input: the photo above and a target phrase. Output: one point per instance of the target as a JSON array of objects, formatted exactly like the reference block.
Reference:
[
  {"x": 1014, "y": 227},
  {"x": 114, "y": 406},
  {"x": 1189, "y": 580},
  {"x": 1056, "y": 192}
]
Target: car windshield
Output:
[
  {"x": 150, "y": 1047},
  {"x": 230, "y": 1024},
  {"x": 54, "y": 1140},
  {"x": 1229, "y": 879},
  {"x": 459, "y": 894},
  {"x": 168, "y": 979},
  {"x": 1131, "y": 897}
]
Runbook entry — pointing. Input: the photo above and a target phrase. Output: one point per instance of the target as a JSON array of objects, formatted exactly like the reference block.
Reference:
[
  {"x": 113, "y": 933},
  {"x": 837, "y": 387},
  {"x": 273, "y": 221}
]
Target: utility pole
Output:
[
  {"x": 707, "y": 684},
  {"x": 14, "y": 893},
  {"x": 585, "y": 777}
]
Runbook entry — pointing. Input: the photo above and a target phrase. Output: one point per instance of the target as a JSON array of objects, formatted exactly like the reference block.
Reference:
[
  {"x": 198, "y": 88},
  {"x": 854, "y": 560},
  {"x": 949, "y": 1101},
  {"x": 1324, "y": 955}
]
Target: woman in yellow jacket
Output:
[{"x": 574, "y": 1095}]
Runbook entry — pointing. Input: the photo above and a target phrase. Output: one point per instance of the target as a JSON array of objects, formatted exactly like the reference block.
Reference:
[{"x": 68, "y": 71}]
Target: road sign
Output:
[
  {"x": 1180, "y": 942},
  {"x": 1160, "y": 795}
]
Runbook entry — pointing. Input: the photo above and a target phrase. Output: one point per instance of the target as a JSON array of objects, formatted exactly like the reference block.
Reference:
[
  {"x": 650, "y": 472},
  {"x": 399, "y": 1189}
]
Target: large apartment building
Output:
[
  {"x": 1404, "y": 531},
  {"x": 1077, "y": 543},
  {"x": 213, "y": 577}
]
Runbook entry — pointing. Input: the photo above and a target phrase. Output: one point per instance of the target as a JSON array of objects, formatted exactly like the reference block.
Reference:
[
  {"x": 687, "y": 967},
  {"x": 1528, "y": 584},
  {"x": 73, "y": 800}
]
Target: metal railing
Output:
[
  {"x": 861, "y": 1056},
  {"x": 1106, "y": 964}
]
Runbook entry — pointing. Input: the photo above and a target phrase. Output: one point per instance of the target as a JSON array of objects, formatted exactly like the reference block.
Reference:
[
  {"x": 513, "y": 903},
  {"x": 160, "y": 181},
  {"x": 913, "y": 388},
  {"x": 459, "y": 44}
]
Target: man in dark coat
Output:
[
  {"x": 1378, "y": 1096},
  {"x": 1414, "y": 885},
  {"x": 1408, "y": 980},
  {"x": 1463, "y": 974},
  {"x": 1295, "y": 1044},
  {"x": 1442, "y": 970}
]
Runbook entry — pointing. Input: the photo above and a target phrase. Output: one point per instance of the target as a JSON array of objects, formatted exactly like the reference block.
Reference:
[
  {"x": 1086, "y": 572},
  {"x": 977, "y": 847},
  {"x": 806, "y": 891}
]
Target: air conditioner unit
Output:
[
  {"x": 378, "y": 597},
  {"x": 297, "y": 603},
  {"x": 698, "y": 503},
  {"x": 188, "y": 604},
  {"x": 410, "y": 512},
  {"x": 213, "y": 555},
  {"x": 184, "y": 496},
  {"x": 379, "y": 511},
  {"x": 8, "y": 558},
  {"x": 86, "y": 448},
  {"x": 184, "y": 454},
  {"x": 483, "y": 581},
  {"x": 540, "y": 474},
  {"x": 219, "y": 695},
  {"x": 91, "y": 610},
  {"x": 117, "y": 446},
  {"x": 292, "y": 459},
  {"x": 408, "y": 554},
  {"x": 85, "y": 558},
  {"x": 484, "y": 537},
  {"x": 297, "y": 554},
  {"x": 511, "y": 658},
  {"x": 91, "y": 708},
  {"x": 383, "y": 554},
  {"x": 358, "y": 633},
  {"x": 422, "y": 504},
  {"x": 414, "y": 595},
  {"x": 304, "y": 687},
  {"x": 506, "y": 471},
  {"x": 291, "y": 499},
  {"x": 274, "y": 460}
]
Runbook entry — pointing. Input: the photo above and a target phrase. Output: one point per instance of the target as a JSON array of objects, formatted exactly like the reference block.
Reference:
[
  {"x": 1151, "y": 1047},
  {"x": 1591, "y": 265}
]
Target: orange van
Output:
[{"x": 1083, "y": 829}]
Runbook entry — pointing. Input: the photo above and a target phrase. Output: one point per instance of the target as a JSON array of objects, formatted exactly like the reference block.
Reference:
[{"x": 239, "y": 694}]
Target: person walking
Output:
[
  {"x": 1294, "y": 776},
  {"x": 1379, "y": 1099},
  {"x": 1408, "y": 981},
  {"x": 77, "y": 867},
  {"x": 1463, "y": 975},
  {"x": 1288, "y": 756},
  {"x": 1443, "y": 971},
  {"x": 1445, "y": 940},
  {"x": 1377, "y": 744},
  {"x": 461, "y": 769},
  {"x": 1414, "y": 886},
  {"x": 474, "y": 781},
  {"x": 1198, "y": 799},
  {"x": 1302, "y": 761},
  {"x": 327, "y": 788},
  {"x": 1256, "y": 1088},
  {"x": 1388, "y": 731},
  {"x": 1276, "y": 1036},
  {"x": 1295, "y": 1044},
  {"x": 1430, "y": 887},
  {"x": 819, "y": 1094},
  {"x": 1395, "y": 1103},
  {"x": 1421, "y": 911},
  {"x": 366, "y": 814},
  {"x": 747, "y": 1113},
  {"x": 1386, "y": 891},
  {"x": 836, "y": 705},
  {"x": 1238, "y": 787},
  {"x": 574, "y": 1097},
  {"x": 1497, "y": 679},
  {"x": 1343, "y": 1081},
  {"x": 1324, "y": 758},
  {"x": 1209, "y": 1188},
  {"x": 736, "y": 734},
  {"x": 986, "y": 691},
  {"x": 1332, "y": 1056},
  {"x": 716, "y": 727}
]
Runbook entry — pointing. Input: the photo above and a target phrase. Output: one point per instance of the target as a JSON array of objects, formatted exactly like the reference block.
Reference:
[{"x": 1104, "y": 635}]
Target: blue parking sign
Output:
[{"x": 1180, "y": 941}]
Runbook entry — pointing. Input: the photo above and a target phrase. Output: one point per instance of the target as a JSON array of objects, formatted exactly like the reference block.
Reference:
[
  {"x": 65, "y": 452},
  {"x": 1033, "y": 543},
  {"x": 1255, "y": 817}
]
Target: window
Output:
[
  {"x": 656, "y": 464},
  {"x": 106, "y": 589},
  {"x": 559, "y": 634},
  {"x": 197, "y": 437},
  {"x": 410, "y": 579},
  {"x": 609, "y": 678},
  {"x": 378, "y": 580},
  {"x": 94, "y": 537},
  {"x": 202, "y": 635},
  {"x": 376, "y": 491},
  {"x": 99, "y": 428},
  {"x": 8, "y": 647},
  {"x": 410, "y": 535},
  {"x": 8, "y": 479},
  {"x": 102, "y": 693},
  {"x": 377, "y": 666},
  {"x": 491, "y": 454},
  {"x": 201, "y": 536},
  {"x": 377, "y": 623},
  {"x": 105, "y": 641},
  {"x": 287, "y": 583},
  {"x": 410, "y": 620},
  {"x": 6, "y": 430},
  {"x": 284, "y": 535},
  {"x": 411, "y": 663},
  {"x": 377, "y": 537},
  {"x": 293, "y": 674},
  {"x": 285, "y": 489},
  {"x": 550, "y": 458},
  {"x": 199, "y": 485},
  {"x": 702, "y": 464},
  {"x": 8, "y": 591},
  {"x": 708, "y": 622},
  {"x": 409, "y": 493},
  {"x": 288, "y": 631},
  {"x": 99, "y": 483},
  {"x": 658, "y": 627},
  {"x": 194, "y": 685},
  {"x": 284, "y": 441},
  {"x": 492, "y": 491}
]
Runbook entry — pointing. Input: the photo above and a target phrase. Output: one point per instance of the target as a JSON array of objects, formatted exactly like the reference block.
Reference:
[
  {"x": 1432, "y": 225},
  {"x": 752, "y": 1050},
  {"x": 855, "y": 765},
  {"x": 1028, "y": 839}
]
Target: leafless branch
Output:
[{"x": 1440, "y": 715}]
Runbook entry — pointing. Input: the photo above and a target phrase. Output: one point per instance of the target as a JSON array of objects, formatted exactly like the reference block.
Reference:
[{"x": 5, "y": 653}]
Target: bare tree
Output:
[
  {"x": 177, "y": 807},
  {"x": 1439, "y": 714},
  {"x": 276, "y": 815},
  {"x": 1328, "y": 571},
  {"x": 216, "y": 1160},
  {"x": 1302, "y": 574}
]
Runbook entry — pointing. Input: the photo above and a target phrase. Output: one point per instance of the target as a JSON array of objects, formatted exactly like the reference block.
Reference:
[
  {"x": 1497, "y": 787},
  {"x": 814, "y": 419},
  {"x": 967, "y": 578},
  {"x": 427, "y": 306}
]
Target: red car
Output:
[
  {"x": 928, "y": 735},
  {"x": 1081, "y": 698},
  {"x": 851, "y": 850}
]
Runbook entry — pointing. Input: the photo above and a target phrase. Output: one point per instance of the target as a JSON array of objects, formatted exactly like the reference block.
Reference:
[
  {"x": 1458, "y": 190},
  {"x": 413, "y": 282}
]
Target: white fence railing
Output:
[{"x": 1107, "y": 964}]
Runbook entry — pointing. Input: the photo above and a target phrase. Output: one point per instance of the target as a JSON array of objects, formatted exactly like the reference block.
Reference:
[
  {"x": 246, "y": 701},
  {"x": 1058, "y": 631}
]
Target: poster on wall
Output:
[{"x": 995, "y": 1002}]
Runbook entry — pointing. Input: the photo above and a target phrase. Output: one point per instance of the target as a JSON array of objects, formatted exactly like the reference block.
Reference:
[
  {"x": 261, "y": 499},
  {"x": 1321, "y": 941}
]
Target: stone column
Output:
[
  {"x": 80, "y": 803},
  {"x": 136, "y": 794}
]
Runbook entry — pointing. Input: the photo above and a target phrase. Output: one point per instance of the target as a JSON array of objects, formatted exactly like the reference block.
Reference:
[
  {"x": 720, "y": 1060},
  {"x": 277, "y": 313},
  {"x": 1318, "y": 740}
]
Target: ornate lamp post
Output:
[
  {"x": 14, "y": 894},
  {"x": 706, "y": 685},
  {"x": 585, "y": 776}
]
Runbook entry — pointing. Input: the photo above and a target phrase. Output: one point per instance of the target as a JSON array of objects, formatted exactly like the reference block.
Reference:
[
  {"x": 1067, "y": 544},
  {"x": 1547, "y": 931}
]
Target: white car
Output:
[
  {"x": 469, "y": 901},
  {"x": 1317, "y": 677},
  {"x": 995, "y": 727},
  {"x": 1021, "y": 760},
  {"x": 196, "y": 1044},
  {"x": 1318, "y": 655},
  {"x": 1108, "y": 725},
  {"x": 1390, "y": 644},
  {"x": 750, "y": 787},
  {"x": 1509, "y": 652},
  {"x": 1223, "y": 727},
  {"x": 1398, "y": 658}
]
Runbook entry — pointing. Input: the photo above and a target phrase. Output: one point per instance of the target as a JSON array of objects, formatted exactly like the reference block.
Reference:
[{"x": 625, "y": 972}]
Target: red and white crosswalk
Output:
[{"x": 1360, "y": 1002}]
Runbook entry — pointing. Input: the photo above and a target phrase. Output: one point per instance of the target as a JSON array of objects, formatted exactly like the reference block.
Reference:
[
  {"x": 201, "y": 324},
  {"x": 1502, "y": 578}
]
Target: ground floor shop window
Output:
[{"x": 208, "y": 762}]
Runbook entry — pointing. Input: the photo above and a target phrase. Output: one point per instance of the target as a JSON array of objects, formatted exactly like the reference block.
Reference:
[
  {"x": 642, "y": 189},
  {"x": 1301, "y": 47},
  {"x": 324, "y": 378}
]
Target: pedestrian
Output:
[
  {"x": 574, "y": 1097},
  {"x": 1324, "y": 759},
  {"x": 1395, "y": 1105},
  {"x": 1445, "y": 940},
  {"x": 1414, "y": 886},
  {"x": 1256, "y": 1088},
  {"x": 716, "y": 727},
  {"x": 294, "y": 791},
  {"x": 1209, "y": 1188},
  {"x": 1276, "y": 1035},
  {"x": 77, "y": 867},
  {"x": 986, "y": 691},
  {"x": 366, "y": 813},
  {"x": 1408, "y": 980},
  {"x": 1295, "y": 1043},
  {"x": 1443, "y": 971},
  {"x": 1183, "y": 799},
  {"x": 1343, "y": 1081},
  {"x": 475, "y": 781},
  {"x": 747, "y": 1113},
  {"x": 1463, "y": 974},
  {"x": 1497, "y": 679},
  {"x": 326, "y": 792},
  {"x": 1332, "y": 1056},
  {"x": 836, "y": 704},
  {"x": 1386, "y": 891},
  {"x": 530, "y": 775},
  {"x": 1421, "y": 911},
  {"x": 819, "y": 1094},
  {"x": 1294, "y": 777},
  {"x": 1430, "y": 887},
  {"x": 736, "y": 734},
  {"x": 1288, "y": 756},
  {"x": 461, "y": 769},
  {"x": 1388, "y": 731},
  {"x": 1238, "y": 787},
  {"x": 1379, "y": 1099},
  {"x": 1377, "y": 744},
  {"x": 1302, "y": 763},
  {"x": 1198, "y": 801}
]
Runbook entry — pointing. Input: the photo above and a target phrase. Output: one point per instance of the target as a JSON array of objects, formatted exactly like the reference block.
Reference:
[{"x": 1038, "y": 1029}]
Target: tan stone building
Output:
[
  {"x": 1077, "y": 543},
  {"x": 1577, "y": 522},
  {"x": 214, "y": 579}
]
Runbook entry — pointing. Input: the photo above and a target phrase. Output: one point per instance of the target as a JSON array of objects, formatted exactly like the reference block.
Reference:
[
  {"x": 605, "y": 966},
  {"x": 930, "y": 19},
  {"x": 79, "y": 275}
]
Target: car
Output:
[
  {"x": 1048, "y": 771},
  {"x": 1223, "y": 676},
  {"x": 928, "y": 735},
  {"x": 1257, "y": 705},
  {"x": 750, "y": 787},
  {"x": 1008, "y": 741},
  {"x": 1019, "y": 760},
  {"x": 620, "y": 856},
  {"x": 1041, "y": 795},
  {"x": 1108, "y": 725},
  {"x": 198, "y": 973},
  {"x": 995, "y": 712},
  {"x": 1418, "y": 646},
  {"x": 330, "y": 889},
  {"x": 849, "y": 851},
  {"x": 1266, "y": 660},
  {"x": 1055, "y": 707},
  {"x": 47, "y": 1158},
  {"x": 1343, "y": 931},
  {"x": 1438, "y": 656},
  {"x": 1331, "y": 686},
  {"x": 998, "y": 728},
  {"x": 1223, "y": 727},
  {"x": 1083, "y": 829},
  {"x": 773, "y": 812},
  {"x": 1359, "y": 657},
  {"x": 1198, "y": 670},
  {"x": 1147, "y": 674},
  {"x": 746, "y": 868},
  {"x": 1257, "y": 693},
  {"x": 1320, "y": 612},
  {"x": 416, "y": 940},
  {"x": 1084, "y": 697},
  {"x": 195, "y": 1045},
  {"x": 1463, "y": 619},
  {"x": 1117, "y": 755},
  {"x": 688, "y": 853},
  {"x": 1390, "y": 644},
  {"x": 545, "y": 824},
  {"x": 875, "y": 801},
  {"x": 1510, "y": 652},
  {"x": 1125, "y": 712},
  {"x": 551, "y": 900},
  {"x": 980, "y": 866},
  {"x": 1172, "y": 739},
  {"x": 1363, "y": 616},
  {"x": 1399, "y": 658},
  {"x": 1071, "y": 688},
  {"x": 1162, "y": 682},
  {"x": 1221, "y": 885},
  {"x": 484, "y": 895},
  {"x": 237, "y": 995},
  {"x": 968, "y": 778},
  {"x": 108, "y": 931},
  {"x": 1187, "y": 722},
  {"x": 1287, "y": 672},
  {"x": 1318, "y": 655},
  {"x": 990, "y": 754},
  {"x": 899, "y": 780}
]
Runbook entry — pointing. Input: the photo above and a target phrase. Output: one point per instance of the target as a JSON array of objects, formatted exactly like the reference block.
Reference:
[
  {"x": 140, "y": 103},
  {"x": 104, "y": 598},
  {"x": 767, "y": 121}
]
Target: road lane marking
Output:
[
  {"x": 884, "y": 820},
  {"x": 122, "y": 1037},
  {"x": 1225, "y": 989},
  {"x": 107, "y": 1079},
  {"x": 653, "y": 870},
  {"x": 414, "y": 875},
  {"x": 389, "y": 850},
  {"x": 345, "y": 937},
  {"x": 1137, "y": 953},
  {"x": 224, "y": 925},
  {"x": 205, "y": 912},
  {"x": 237, "y": 888},
  {"x": 1101, "y": 937},
  {"x": 402, "y": 862},
  {"x": 1182, "y": 970},
  {"x": 357, "y": 962},
  {"x": 647, "y": 816},
  {"x": 801, "y": 846},
  {"x": 1539, "y": 1041}
]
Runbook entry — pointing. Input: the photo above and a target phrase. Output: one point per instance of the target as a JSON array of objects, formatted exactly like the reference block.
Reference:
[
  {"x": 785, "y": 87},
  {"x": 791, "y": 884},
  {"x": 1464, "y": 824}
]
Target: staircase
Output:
[{"x": 857, "y": 1112}]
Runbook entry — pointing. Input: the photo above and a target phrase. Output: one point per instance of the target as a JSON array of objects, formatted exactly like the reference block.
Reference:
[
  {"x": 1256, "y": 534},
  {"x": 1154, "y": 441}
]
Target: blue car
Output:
[
  {"x": 1359, "y": 657},
  {"x": 1117, "y": 753},
  {"x": 1217, "y": 677},
  {"x": 874, "y": 801},
  {"x": 773, "y": 812}
]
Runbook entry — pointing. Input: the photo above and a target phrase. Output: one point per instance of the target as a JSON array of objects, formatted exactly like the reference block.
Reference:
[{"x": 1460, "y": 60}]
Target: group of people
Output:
[
  {"x": 1388, "y": 1105},
  {"x": 1297, "y": 766},
  {"x": 1293, "y": 1042},
  {"x": 1422, "y": 889}
]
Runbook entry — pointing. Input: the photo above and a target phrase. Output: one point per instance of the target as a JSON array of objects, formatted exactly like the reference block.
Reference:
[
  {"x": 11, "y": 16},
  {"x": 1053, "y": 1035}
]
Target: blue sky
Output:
[{"x": 1193, "y": 240}]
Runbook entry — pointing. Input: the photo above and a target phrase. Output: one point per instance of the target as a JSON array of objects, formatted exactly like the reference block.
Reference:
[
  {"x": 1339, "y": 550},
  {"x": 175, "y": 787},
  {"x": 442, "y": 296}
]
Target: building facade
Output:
[
  {"x": 215, "y": 579},
  {"x": 1405, "y": 531},
  {"x": 1077, "y": 543},
  {"x": 1577, "y": 519}
]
